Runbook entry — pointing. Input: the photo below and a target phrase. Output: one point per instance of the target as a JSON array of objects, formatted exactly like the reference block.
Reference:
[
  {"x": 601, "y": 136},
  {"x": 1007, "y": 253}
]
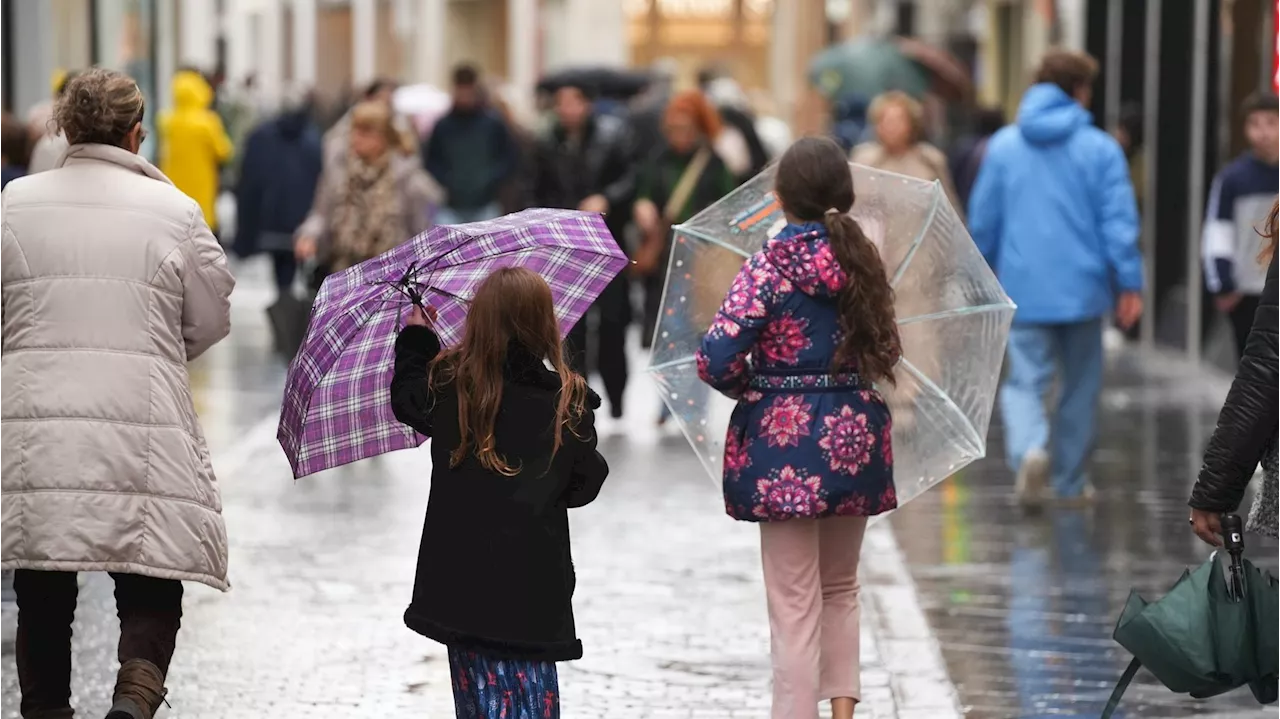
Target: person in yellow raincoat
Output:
[{"x": 193, "y": 142}]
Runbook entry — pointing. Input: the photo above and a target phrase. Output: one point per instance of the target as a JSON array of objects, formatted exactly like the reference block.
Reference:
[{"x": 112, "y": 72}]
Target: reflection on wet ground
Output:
[{"x": 1024, "y": 605}]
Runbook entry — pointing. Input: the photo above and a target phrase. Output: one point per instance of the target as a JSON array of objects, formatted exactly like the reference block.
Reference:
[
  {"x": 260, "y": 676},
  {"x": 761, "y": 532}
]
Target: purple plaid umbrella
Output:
[{"x": 336, "y": 408}]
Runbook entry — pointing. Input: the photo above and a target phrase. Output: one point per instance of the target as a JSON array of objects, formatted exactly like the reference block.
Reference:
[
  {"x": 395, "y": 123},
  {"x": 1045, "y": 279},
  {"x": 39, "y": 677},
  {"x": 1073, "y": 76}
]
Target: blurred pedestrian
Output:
[
  {"x": 1238, "y": 200},
  {"x": 1129, "y": 133},
  {"x": 515, "y": 194},
  {"x": 375, "y": 199},
  {"x": 495, "y": 577},
  {"x": 193, "y": 143},
  {"x": 1054, "y": 214},
  {"x": 739, "y": 145},
  {"x": 50, "y": 142},
  {"x": 471, "y": 153},
  {"x": 645, "y": 116},
  {"x": 381, "y": 91},
  {"x": 683, "y": 177},
  {"x": 806, "y": 329},
  {"x": 119, "y": 285},
  {"x": 1246, "y": 432},
  {"x": 283, "y": 158},
  {"x": 967, "y": 155},
  {"x": 584, "y": 162},
  {"x": 13, "y": 149},
  {"x": 900, "y": 146}
]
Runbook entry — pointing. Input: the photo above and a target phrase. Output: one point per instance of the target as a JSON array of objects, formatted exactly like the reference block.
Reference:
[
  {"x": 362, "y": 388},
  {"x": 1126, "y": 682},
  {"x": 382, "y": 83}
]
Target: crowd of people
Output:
[{"x": 115, "y": 476}]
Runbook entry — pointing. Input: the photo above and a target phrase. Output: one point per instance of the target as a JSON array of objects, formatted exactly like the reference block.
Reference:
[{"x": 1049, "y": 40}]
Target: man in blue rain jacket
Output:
[{"x": 1053, "y": 212}]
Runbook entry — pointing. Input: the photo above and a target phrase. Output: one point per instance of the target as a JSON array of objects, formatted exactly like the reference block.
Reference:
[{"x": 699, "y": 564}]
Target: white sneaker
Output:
[{"x": 1033, "y": 478}]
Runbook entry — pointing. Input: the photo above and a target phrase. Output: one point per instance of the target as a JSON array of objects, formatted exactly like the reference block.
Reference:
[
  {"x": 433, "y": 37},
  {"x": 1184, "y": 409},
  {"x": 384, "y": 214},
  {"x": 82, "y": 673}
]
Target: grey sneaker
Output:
[{"x": 1033, "y": 478}]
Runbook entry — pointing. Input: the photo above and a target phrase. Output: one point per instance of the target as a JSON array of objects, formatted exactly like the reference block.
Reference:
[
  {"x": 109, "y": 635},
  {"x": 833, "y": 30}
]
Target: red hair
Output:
[{"x": 696, "y": 106}]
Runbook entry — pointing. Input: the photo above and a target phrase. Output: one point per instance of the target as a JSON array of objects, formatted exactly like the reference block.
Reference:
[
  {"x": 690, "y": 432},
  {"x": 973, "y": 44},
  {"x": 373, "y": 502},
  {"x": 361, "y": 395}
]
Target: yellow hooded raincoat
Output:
[{"x": 193, "y": 142}]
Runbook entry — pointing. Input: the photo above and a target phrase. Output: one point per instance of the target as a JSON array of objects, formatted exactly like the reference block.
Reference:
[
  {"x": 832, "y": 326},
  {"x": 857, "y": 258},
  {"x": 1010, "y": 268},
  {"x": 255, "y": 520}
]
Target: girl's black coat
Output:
[{"x": 495, "y": 574}]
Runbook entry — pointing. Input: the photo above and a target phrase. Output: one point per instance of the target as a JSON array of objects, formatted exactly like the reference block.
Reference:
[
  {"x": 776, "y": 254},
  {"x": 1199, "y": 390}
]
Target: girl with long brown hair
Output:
[
  {"x": 513, "y": 448},
  {"x": 803, "y": 336}
]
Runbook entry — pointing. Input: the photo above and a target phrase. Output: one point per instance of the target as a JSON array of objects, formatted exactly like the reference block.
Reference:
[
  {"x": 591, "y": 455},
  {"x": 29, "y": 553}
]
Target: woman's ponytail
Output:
[{"x": 871, "y": 343}]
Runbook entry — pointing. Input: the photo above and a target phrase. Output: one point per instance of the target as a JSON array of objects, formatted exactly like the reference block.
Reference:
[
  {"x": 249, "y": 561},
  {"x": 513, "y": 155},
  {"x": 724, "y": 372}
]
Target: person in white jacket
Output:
[{"x": 112, "y": 282}]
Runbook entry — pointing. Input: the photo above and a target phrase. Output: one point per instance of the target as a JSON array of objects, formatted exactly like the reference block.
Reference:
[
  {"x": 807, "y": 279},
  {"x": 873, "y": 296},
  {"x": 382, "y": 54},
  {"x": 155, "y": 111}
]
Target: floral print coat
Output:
[{"x": 804, "y": 441}]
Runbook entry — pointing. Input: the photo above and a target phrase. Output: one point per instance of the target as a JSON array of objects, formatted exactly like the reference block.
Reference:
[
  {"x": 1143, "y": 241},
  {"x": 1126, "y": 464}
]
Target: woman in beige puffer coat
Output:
[{"x": 112, "y": 282}]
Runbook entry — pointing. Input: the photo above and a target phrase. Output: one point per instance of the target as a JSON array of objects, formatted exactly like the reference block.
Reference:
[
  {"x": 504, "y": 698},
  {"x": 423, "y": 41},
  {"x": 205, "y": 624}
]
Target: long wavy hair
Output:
[
  {"x": 511, "y": 310},
  {"x": 813, "y": 177},
  {"x": 1271, "y": 231}
]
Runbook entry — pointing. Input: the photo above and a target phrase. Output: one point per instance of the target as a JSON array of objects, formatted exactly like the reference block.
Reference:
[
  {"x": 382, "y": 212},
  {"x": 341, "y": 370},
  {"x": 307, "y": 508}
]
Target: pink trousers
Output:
[{"x": 811, "y": 581}]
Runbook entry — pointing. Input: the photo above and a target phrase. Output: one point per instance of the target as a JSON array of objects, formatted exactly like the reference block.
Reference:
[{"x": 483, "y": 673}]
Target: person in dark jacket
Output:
[
  {"x": 735, "y": 113},
  {"x": 513, "y": 448},
  {"x": 282, "y": 161},
  {"x": 690, "y": 128},
  {"x": 968, "y": 153},
  {"x": 584, "y": 162},
  {"x": 1237, "y": 202},
  {"x": 1246, "y": 432},
  {"x": 471, "y": 153},
  {"x": 14, "y": 155}
]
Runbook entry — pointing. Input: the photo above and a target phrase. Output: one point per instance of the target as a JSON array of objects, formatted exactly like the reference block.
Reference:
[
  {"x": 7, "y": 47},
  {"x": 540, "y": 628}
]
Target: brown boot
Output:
[{"x": 139, "y": 691}]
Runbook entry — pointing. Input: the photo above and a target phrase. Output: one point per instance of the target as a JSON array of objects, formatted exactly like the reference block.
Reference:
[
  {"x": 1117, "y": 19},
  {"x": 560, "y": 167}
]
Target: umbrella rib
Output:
[
  {"x": 438, "y": 262},
  {"x": 668, "y": 364},
  {"x": 708, "y": 238},
  {"x": 977, "y": 445},
  {"x": 955, "y": 312},
  {"x": 915, "y": 244}
]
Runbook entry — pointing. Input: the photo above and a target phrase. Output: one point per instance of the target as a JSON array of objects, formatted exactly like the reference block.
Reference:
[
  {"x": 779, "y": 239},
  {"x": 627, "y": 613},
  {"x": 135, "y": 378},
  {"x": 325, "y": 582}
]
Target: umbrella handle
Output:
[{"x": 1121, "y": 687}]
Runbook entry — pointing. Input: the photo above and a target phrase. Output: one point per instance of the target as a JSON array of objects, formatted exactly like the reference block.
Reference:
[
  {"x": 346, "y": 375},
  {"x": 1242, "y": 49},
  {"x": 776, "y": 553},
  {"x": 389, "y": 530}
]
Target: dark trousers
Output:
[
  {"x": 285, "y": 267},
  {"x": 613, "y": 314},
  {"x": 150, "y": 612},
  {"x": 1242, "y": 321}
]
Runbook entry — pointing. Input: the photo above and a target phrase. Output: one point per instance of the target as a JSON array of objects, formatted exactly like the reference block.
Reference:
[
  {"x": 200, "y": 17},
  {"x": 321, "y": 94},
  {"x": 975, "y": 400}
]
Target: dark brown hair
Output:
[
  {"x": 1259, "y": 102},
  {"x": 512, "y": 305},
  {"x": 15, "y": 141},
  {"x": 1271, "y": 231},
  {"x": 813, "y": 177},
  {"x": 1068, "y": 69},
  {"x": 99, "y": 106}
]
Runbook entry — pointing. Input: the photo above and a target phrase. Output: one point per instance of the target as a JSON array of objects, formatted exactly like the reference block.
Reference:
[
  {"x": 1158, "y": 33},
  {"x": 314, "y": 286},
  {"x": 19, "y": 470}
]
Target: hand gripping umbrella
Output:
[
  {"x": 1210, "y": 634},
  {"x": 336, "y": 409},
  {"x": 953, "y": 316}
]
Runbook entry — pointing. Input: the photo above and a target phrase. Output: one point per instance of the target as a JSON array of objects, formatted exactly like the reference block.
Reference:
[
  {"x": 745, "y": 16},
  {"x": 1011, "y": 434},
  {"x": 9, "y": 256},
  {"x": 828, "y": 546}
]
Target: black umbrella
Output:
[{"x": 602, "y": 82}]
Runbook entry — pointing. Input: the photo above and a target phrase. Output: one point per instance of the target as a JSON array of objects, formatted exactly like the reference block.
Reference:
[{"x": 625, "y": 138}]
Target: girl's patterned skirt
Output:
[{"x": 488, "y": 688}]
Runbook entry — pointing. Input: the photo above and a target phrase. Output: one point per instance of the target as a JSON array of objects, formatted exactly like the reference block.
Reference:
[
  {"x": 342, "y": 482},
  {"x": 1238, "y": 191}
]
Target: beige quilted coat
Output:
[{"x": 112, "y": 282}]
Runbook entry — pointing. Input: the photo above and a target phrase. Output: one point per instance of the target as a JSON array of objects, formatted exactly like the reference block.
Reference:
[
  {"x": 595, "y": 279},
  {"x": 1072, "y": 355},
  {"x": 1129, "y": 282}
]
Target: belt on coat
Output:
[{"x": 792, "y": 381}]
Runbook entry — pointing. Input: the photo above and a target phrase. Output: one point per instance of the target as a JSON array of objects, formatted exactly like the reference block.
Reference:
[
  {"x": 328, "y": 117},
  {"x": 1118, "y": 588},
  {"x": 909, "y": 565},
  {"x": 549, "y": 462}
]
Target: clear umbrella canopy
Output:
[{"x": 952, "y": 313}]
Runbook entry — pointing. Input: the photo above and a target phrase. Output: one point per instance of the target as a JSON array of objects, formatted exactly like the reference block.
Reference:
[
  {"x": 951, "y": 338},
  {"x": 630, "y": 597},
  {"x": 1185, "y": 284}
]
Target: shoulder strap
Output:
[
  {"x": 684, "y": 187},
  {"x": 1121, "y": 687}
]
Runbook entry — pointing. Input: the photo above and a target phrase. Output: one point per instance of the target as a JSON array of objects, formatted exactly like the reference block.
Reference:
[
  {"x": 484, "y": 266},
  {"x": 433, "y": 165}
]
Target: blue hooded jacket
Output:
[{"x": 1054, "y": 214}]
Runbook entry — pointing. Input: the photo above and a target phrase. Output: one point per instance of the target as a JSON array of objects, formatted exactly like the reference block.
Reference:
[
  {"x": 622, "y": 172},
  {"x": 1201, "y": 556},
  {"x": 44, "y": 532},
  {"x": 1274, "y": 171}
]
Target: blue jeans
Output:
[
  {"x": 1036, "y": 353},
  {"x": 457, "y": 216}
]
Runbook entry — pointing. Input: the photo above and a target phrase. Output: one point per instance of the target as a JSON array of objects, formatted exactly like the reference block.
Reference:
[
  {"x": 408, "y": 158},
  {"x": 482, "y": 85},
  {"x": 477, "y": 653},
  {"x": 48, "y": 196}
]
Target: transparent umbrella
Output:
[{"x": 952, "y": 313}]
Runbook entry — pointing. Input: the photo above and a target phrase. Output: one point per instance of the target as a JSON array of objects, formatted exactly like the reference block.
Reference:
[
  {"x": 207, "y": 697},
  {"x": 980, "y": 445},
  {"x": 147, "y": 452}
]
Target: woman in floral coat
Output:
[{"x": 805, "y": 330}]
